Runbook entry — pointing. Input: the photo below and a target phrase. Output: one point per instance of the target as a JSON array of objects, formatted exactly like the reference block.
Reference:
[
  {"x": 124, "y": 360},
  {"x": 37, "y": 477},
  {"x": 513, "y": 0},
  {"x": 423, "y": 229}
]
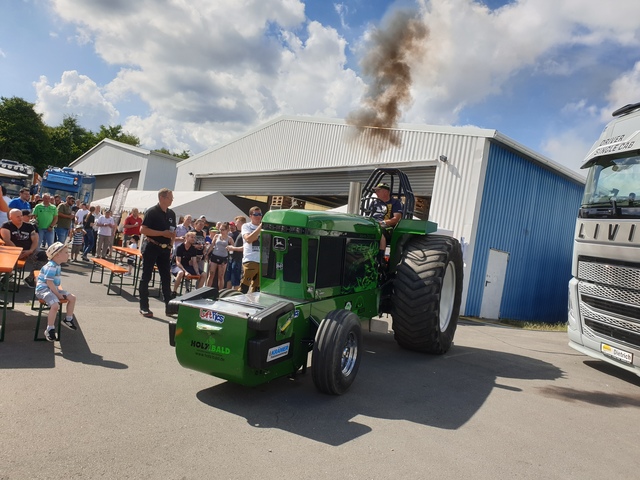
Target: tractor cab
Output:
[{"x": 313, "y": 255}]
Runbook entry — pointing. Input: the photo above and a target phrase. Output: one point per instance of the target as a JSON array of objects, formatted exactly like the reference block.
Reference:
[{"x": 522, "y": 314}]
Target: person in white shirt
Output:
[
  {"x": 106, "y": 225},
  {"x": 251, "y": 255},
  {"x": 81, "y": 213}
]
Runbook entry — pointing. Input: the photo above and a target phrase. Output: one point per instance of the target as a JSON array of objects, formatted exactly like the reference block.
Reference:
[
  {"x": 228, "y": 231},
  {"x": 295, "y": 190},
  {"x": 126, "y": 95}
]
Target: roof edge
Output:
[
  {"x": 545, "y": 161},
  {"x": 116, "y": 144}
]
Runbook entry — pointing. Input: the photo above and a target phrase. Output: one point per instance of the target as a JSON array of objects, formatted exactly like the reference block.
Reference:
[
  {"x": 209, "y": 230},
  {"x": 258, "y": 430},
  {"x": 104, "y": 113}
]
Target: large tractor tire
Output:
[
  {"x": 337, "y": 352},
  {"x": 427, "y": 294}
]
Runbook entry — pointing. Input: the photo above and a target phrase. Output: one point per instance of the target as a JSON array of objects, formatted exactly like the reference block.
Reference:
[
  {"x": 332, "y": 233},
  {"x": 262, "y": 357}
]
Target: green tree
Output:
[
  {"x": 184, "y": 154},
  {"x": 115, "y": 133},
  {"x": 68, "y": 141},
  {"x": 23, "y": 134}
]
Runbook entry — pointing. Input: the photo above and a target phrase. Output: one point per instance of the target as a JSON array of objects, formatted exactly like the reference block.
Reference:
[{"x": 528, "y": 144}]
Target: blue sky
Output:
[{"x": 189, "y": 75}]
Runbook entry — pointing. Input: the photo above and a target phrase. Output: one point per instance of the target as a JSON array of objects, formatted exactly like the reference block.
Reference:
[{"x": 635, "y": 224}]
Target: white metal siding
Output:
[
  {"x": 109, "y": 159},
  {"x": 153, "y": 170},
  {"x": 160, "y": 172},
  {"x": 455, "y": 194}
]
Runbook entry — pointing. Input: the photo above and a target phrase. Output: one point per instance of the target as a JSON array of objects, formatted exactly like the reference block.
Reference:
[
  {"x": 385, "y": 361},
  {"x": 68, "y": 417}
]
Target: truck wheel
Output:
[
  {"x": 427, "y": 294},
  {"x": 336, "y": 352}
]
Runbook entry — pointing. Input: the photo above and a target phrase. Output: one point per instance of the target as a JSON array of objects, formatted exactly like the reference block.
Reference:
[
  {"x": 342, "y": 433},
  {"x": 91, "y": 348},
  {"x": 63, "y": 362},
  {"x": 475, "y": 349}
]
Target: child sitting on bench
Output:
[{"x": 47, "y": 289}]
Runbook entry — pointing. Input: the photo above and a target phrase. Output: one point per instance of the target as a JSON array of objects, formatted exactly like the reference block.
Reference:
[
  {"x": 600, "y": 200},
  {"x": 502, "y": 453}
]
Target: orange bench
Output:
[
  {"x": 188, "y": 278},
  {"x": 113, "y": 269}
]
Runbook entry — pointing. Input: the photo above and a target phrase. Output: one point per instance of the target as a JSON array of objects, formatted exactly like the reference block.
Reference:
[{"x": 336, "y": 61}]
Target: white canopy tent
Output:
[{"x": 213, "y": 205}]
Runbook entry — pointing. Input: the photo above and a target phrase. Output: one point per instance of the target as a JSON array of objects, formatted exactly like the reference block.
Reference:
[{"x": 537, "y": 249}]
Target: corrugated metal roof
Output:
[
  {"x": 291, "y": 144},
  {"x": 123, "y": 146},
  {"x": 301, "y": 143}
]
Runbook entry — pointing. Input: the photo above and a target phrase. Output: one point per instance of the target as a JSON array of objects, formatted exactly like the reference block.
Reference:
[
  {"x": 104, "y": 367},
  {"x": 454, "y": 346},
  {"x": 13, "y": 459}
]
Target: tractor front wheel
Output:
[
  {"x": 427, "y": 294},
  {"x": 336, "y": 352}
]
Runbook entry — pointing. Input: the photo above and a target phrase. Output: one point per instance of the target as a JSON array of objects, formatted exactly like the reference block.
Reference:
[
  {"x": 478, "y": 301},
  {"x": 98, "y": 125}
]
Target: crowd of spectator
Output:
[{"x": 224, "y": 254}]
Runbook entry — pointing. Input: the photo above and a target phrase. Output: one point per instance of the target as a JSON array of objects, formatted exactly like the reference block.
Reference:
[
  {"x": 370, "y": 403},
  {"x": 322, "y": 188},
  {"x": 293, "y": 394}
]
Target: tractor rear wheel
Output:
[
  {"x": 336, "y": 352},
  {"x": 427, "y": 294}
]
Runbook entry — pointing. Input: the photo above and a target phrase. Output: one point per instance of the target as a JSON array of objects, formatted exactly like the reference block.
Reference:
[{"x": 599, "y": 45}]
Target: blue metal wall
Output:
[{"x": 530, "y": 212}]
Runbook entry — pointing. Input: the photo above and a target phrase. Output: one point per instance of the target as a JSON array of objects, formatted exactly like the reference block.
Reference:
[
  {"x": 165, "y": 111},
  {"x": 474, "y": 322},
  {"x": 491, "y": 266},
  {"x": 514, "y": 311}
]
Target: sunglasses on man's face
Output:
[{"x": 257, "y": 214}]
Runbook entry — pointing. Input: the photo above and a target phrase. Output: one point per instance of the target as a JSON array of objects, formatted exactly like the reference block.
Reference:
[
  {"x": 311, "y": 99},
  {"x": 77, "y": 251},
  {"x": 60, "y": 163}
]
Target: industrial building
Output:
[
  {"x": 111, "y": 162},
  {"x": 513, "y": 209}
]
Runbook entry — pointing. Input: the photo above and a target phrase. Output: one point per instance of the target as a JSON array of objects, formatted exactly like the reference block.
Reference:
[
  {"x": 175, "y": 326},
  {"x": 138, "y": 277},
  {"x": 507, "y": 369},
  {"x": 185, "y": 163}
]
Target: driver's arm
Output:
[{"x": 393, "y": 221}]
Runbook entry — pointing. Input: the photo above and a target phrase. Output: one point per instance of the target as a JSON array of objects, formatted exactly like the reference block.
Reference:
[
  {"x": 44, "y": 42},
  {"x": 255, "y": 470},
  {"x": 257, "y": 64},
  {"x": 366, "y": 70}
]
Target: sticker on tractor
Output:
[
  {"x": 211, "y": 316},
  {"x": 279, "y": 244},
  {"x": 277, "y": 352},
  {"x": 210, "y": 347}
]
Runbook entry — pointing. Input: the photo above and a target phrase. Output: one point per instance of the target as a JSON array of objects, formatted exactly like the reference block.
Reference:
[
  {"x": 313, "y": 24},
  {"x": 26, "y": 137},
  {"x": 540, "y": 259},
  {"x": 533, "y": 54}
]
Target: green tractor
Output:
[{"x": 320, "y": 277}]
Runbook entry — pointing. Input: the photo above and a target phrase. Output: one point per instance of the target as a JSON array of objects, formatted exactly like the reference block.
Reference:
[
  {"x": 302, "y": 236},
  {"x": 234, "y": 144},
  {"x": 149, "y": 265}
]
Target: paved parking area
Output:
[{"x": 111, "y": 401}]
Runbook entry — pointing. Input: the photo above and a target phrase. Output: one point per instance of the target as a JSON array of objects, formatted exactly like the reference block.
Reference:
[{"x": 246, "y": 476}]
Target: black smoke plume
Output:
[{"x": 387, "y": 68}]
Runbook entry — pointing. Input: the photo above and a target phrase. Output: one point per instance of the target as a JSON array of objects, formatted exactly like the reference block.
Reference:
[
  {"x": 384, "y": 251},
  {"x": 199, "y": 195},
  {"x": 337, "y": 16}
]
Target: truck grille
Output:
[
  {"x": 610, "y": 300},
  {"x": 612, "y": 307},
  {"x": 617, "y": 275},
  {"x": 614, "y": 333}
]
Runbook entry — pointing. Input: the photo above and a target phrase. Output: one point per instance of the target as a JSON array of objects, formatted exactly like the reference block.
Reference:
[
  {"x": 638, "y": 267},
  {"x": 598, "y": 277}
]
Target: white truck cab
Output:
[{"x": 604, "y": 293}]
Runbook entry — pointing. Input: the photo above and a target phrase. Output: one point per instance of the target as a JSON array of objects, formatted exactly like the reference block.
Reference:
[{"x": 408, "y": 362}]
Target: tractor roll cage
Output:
[{"x": 400, "y": 189}]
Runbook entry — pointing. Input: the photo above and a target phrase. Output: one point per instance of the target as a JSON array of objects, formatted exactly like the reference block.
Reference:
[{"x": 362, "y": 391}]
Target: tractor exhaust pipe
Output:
[{"x": 355, "y": 195}]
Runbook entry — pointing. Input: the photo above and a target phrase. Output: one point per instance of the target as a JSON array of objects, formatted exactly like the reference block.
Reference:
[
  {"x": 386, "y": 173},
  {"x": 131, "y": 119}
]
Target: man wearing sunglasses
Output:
[{"x": 251, "y": 253}]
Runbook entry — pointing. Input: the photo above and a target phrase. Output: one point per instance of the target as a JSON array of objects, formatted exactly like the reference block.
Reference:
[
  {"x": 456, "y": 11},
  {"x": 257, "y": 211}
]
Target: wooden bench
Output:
[
  {"x": 113, "y": 269},
  {"x": 14, "y": 286}
]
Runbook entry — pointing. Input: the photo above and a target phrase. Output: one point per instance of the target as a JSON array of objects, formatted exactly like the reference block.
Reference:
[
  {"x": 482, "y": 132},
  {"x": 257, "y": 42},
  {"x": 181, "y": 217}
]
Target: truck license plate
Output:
[{"x": 613, "y": 352}]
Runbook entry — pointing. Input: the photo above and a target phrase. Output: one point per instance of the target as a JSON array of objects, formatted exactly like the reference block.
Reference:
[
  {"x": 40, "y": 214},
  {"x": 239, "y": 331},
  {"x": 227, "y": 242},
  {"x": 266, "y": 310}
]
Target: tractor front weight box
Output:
[{"x": 247, "y": 339}]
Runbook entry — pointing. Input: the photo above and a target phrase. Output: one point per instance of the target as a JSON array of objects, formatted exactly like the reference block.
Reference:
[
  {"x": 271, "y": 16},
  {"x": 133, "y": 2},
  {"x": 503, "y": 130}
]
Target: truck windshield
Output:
[{"x": 614, "y": 184}]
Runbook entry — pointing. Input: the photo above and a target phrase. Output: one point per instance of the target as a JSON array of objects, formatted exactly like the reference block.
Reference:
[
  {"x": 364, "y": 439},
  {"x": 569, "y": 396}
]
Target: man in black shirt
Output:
[
  {"x": 17, "y": 233},
  {"x": 186, "y": 261},
  {"x": 159, "y": 226}
]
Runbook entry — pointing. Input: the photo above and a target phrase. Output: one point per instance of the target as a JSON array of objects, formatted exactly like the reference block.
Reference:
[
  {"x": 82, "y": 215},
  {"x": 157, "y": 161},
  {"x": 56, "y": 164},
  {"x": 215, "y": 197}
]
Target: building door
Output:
[{"x": 494, "y": 284}]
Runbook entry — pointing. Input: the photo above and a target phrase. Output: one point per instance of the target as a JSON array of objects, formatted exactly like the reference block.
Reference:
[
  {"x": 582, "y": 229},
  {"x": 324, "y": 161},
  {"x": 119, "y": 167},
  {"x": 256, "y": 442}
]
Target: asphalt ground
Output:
[{"x": 111, "y": 401}]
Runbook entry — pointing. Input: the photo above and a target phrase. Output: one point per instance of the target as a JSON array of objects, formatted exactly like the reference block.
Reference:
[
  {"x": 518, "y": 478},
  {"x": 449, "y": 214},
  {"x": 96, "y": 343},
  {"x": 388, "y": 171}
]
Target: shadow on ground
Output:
[
  {"x": 20, "y": 351},
  {"x": 438, "y": 391}
]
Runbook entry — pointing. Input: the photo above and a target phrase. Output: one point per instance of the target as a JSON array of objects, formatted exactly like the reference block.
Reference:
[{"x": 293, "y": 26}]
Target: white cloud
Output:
[
  {"x": 623, "y": 90},
  {"x": 473, "y": 51},
  {"x": 76, "y": 95},
  {"x": 342, "y": 10},
  {"x": 215, "y": 66},
  {"x": 210, "y": 70},
  {"x": 314, "y": 79}
]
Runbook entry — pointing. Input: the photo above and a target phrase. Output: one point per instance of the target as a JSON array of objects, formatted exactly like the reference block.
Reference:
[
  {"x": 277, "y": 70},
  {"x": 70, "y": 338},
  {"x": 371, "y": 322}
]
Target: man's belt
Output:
[{"x": 161, "y": 245}]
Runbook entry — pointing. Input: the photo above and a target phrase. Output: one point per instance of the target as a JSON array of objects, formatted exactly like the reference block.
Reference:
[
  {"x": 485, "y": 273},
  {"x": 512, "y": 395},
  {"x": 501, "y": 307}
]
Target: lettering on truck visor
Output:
[{"x": 619, "y": 143}]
